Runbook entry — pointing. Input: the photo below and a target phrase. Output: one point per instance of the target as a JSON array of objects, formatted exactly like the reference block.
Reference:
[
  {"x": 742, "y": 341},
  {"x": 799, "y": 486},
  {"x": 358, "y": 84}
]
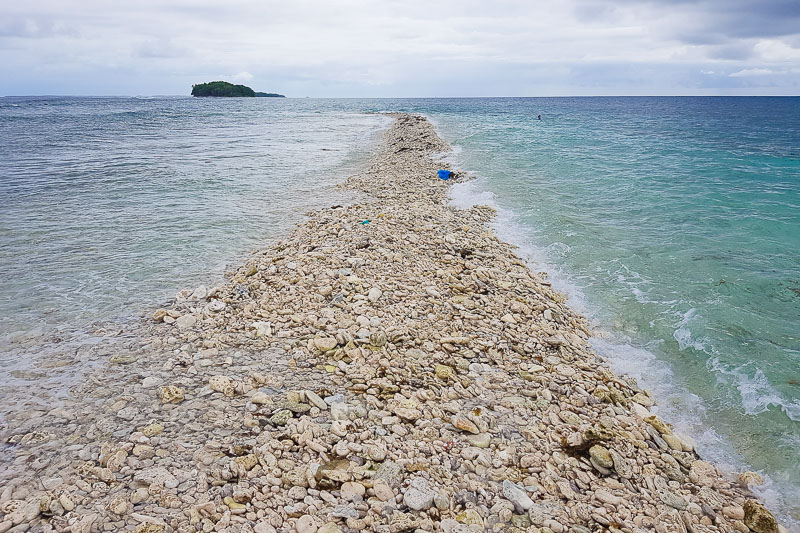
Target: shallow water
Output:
[{"x": 112, "y": 205}]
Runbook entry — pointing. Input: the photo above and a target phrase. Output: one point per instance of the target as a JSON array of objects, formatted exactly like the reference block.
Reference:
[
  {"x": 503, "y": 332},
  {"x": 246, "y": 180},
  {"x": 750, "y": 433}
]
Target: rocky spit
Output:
[{"x": 390, "y": 366}]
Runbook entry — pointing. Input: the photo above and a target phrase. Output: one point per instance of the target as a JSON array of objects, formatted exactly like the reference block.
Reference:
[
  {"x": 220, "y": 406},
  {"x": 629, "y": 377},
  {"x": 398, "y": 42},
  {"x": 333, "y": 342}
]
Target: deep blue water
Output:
[{"x": 673, "y": 223}]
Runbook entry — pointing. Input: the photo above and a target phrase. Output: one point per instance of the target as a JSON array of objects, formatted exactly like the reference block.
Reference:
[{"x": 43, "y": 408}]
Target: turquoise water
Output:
[{"x": 673, "y": 223}]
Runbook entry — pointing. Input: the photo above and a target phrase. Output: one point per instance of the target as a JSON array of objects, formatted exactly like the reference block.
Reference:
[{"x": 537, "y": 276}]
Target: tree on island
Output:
[{"x": 223, "y": 88}]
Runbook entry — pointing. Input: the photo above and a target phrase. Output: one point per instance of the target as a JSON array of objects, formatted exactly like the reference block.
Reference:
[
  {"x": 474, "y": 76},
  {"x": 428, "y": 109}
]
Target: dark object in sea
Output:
[{"x": 225, "y": 89}]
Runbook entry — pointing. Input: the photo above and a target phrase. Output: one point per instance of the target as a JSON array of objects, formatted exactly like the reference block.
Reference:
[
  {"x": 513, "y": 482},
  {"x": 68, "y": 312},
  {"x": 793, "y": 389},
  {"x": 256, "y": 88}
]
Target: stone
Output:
[
  {"x": 120, "y": 506},
  {"x": 221, "y": 384},
  {"x": 315, "y": 400},
  {"x": 673, "y": 500},
  {"x": 444, "y": 372},
  {"x": 758, "y": 518},
  {"x": 669, "y": 522},
  {"x": 750, "y": 478},
  {"x": 281, "y": 417},
  {"x": 171, "y": 394},
  {"x": 408, "y": 414},
  {"x": 481, "y": 440},
  {"x": 517, "y": 496},
  {"x": 643, "y": 399},
  {"x": 260, "y": 398},
  {"x": 378, "y": 338},
  {"x": 246, "y": 462},
  {"x": 264, "y": 527},
  {"x": 521, "y": 521},
  {"x": 151, "y": 381},
  {"x": 374, "y": 294},
  {"x": 441, "y": 501},
  {"x": 419, "y": 496},
  {"x": 340, "y": 411},
  {"x": 470, "y": 517},
  {"x": 66, "y": 502},
  {"x": 330, "y": 527},
  {"x": 621, "y": 465},
  {"x": 185, "y": 321},
  {"x": 148, "y": 527},
  {"x": 607, "y": 497},
  {"x": 702, "y": 473},
  {"x": 600, "y": 455},
  {"x": 324, "y": 344},
  {"x": 306, "y": 524},
  {"x": 151, "y": 430},
  {"x": 344, "y": 511},
  {"x": 157, "y": 475},
  {"x": 733, "y": 512},
  {"x": 333, "y": 473},
  {"x": 464, "y": 424},
  {"x": 383, "y": 491},
  {"x": 673, "y": 442},
  {"x": 657, "y": 423},
  {"x": 351, "y": 490},
  {"x": 390, "y": 472},
  {"x": 297, "y": 407}
]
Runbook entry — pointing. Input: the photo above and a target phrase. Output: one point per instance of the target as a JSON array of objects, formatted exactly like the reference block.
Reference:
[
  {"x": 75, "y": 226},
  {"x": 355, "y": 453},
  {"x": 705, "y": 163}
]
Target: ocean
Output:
[{"x": 673, "y": 223}]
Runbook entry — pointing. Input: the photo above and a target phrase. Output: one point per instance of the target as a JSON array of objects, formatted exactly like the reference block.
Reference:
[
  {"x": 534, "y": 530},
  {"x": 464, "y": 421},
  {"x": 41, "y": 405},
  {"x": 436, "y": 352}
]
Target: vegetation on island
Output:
[{"x": 223, "y": 88}]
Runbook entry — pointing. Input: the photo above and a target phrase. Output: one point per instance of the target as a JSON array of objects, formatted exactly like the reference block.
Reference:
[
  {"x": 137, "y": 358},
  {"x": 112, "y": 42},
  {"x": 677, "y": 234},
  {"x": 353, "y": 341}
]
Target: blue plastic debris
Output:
[
  {"x": 445, "y": 174},
  {"x": 363, "y": 222}
]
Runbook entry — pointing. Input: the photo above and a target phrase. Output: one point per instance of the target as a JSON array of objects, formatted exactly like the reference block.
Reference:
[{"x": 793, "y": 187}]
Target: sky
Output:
[{"x": 405, "y": 48}]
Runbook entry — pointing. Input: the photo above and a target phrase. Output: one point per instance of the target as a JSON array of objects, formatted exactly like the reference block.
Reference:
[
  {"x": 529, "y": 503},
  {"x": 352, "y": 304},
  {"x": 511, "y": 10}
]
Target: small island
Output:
[{"x": 225, "y": 89}]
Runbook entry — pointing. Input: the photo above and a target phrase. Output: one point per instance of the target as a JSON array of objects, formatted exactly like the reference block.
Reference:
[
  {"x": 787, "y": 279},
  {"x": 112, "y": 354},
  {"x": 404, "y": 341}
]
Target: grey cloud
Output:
[{"x": 736, "y": 51}]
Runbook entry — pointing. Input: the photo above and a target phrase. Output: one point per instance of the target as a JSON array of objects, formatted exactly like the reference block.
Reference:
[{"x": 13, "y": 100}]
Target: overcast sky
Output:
[{"x": 363, "y": 48}]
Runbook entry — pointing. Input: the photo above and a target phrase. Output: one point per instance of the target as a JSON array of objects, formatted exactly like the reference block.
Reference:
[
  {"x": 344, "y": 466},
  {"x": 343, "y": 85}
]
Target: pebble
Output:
[
  {"x": 351, "y": 490},
  {"x": 517, "y": 496},
  {"x": 419, "y": 496},
  {"x": 306, "y": 524}
]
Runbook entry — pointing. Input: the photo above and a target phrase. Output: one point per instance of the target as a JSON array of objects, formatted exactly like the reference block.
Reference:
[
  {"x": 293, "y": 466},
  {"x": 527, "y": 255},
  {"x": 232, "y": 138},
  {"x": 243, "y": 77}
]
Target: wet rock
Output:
[
  {"x": 185, "y": 321},
  {"x": 221, "y": 384},
  {"x": 171, "y": 394},
  {"x": 758, "y": 518}
]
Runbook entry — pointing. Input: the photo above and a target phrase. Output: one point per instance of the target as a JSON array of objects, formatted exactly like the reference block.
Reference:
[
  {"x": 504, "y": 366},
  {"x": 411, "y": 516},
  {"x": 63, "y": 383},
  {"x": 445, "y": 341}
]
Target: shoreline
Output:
[{"x": 409, "y": 372}]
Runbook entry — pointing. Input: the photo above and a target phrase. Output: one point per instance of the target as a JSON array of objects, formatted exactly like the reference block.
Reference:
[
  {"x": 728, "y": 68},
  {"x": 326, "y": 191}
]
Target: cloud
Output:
[
  {"x": 396, "y": 48},
  {"x": 748, "y": 72},
  {"x": 241, "y": 76}
]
